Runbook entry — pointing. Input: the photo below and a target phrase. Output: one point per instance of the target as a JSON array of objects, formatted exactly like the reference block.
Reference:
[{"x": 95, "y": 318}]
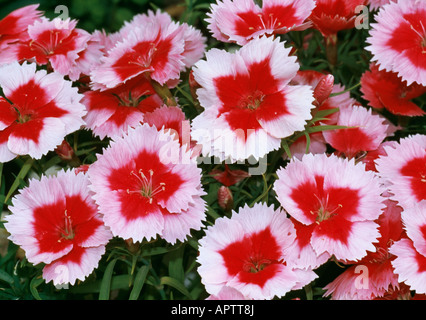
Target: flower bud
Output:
[
  {"x": 323, "y": 89},
  {"x": 225, "y": 198}
]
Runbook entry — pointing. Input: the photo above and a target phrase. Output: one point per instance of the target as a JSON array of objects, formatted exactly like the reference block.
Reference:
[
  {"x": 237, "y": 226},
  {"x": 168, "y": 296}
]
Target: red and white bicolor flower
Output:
[
  {"x": 37, "y": 111},
  {"x": 410, "y": 252},
  {"x": 372, "y": 277},
  {"x": 54, "y": 42},
  {"x": 365, "y": 132},
  {"x": 249, "y": 104},
  {"x": 398, "y": 40},
  {"x": 248, "y": 252},
  {"x": 403, "y": 169},
  {"x": 152, "y": 45},
  {"x": 14, "y": 26},
  {"x": 242, "y": 20},
  {"x": 56, "y": 222},
  {"x": 335, "y": 203},
  {"x": 111, "y": 112},
  {"x": 194, "y": 41},
  {"x": 383, "y": 89},
  {"x": 146, "y": 185}
]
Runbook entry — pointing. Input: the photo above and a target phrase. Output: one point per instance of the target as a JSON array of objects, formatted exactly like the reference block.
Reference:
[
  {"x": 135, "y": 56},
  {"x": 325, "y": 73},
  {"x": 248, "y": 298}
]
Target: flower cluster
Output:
[{"x": 344, "y": 180}]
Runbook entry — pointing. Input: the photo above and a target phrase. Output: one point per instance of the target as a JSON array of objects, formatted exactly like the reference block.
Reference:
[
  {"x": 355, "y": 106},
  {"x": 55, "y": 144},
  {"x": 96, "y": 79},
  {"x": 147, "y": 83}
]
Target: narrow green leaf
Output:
[
  {"x": 139, "y": 282},
  {"x": 106, "y": 281},
  {"x": 325, "y": 128},
  {"x": 176, "y": 285},
  {"x": 20, "y": 177},
  {"x": 175, "y": 263},
  {"x": 284, "y": 144},
  {"x": 347, "y": 90},
  {"x": 212, "y": 213},
  {"x": 308, "y": 142},
  {"x": 6, "y": 277},
  {"x": 35, "y": 282}
]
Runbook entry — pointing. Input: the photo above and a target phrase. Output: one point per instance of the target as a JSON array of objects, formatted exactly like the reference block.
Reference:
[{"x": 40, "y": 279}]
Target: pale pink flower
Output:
[
  {"x": 403, "y": 169},
  {"x": 398, "y": 40},
  {"x": 365, "y": 131},
  {"x": 242, "y": 20},
  {"x": 249, "y": 104},
  {"x": 227, "y": 293},
  {"x": 56, "y": 222},
  {"x": 377, "y": 4},
  {"x": 146, "y": 185},
  {"x": 40, "y": 109},
  {"x": 335, "y": 202},
  {"x": 248, "y": 252},
  {"x": 410, "y": 262}
]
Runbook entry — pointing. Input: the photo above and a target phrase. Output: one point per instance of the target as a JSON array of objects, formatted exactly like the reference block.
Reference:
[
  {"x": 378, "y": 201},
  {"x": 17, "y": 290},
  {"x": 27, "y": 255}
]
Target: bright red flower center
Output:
[
  {"x": 142, "y": 183},
  {"x": 65, "y": 222},
  {"x": 328, "y": 207},
  {"x": 255, "y": 258},
  {"x": 249, "y": 97},
  {"x": 415, "y": 170},
  {"x": 410, "y": 38},
  {"x": 30, "y": 104},
  {"x": 146, "y": 56},
  {"x": 274, "y": 17}
]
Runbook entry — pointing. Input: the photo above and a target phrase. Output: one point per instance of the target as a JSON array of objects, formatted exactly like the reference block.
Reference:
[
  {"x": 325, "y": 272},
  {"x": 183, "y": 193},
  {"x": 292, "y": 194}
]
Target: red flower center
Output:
[
  {"x": 255, "y": 258},
  {"x": 415, "y": 170}
]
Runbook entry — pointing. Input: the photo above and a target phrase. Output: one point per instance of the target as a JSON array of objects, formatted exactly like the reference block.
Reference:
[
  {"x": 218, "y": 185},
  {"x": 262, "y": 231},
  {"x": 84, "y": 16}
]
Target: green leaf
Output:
[
  {"x": 325, "y": 128},
  {"x": 139, "y": 282},
  {"x": 171, "y": 282},
  {"x": 35, "y": 282},
  {"x": 20, "y": 177},
  {"x": 286, "y": 148},
  {"x": 106, "y": 281},
  {"x": 6, "y": 277},
  {"x": 175, "y": 263}
]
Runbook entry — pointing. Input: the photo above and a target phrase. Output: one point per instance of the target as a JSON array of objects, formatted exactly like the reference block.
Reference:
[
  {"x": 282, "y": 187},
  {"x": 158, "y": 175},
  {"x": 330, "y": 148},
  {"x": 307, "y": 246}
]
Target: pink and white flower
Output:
[
  {"x": 398, "y": 40},
  {"x": 372, "y": 277},
  {"x": 365, "y": 131},
  {"x": 54, "y": 41},
  {"x": 38, "y": 111},
  {"x": 146, "y": 185},
  {"x": 56, "y": 222},
  {"x": 242, "y": 20},
  {"x": 248, "y": 252},
  {"x": 335, "y": 202},
  {"x": 377, "y": 4},
  {"x": 14, "y": 26},
  {"x": 249, "y": 104},
  {"x": 194, "y": 41},
  {"x": 403, "y": 168},
  {"x": 111, "y": 112},
  {"x": 410, "y": 262},
  {"x": 173, "y": 120},
  {"x": 152, "y": 45}
]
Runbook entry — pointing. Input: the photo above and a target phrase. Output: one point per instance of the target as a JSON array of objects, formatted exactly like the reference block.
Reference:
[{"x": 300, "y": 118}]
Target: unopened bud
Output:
[
  {"x": 323, "y": 89},
  {"x": 65, "y": 151},
  {"x": 225, "y": 198}
]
